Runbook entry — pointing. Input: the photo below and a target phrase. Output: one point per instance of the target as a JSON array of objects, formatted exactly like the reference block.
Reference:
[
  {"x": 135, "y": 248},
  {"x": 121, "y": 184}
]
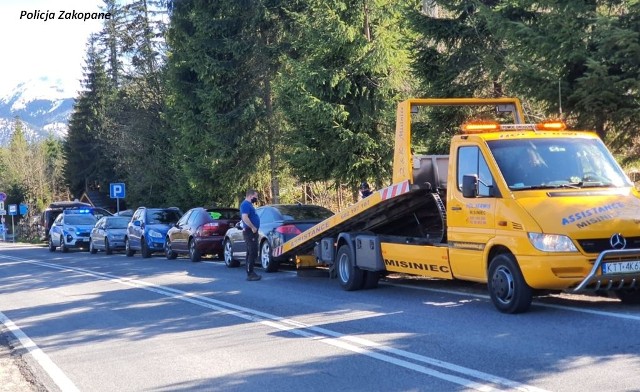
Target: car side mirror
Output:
[
  {"x": 136, "y": 223},
  {"x": 469, "y": 186},
  {"x": 238, "y": 225}
]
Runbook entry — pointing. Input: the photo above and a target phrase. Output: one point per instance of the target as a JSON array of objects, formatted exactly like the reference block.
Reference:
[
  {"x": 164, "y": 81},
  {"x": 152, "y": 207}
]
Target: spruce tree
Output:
[{"x": 347, "y": 69}]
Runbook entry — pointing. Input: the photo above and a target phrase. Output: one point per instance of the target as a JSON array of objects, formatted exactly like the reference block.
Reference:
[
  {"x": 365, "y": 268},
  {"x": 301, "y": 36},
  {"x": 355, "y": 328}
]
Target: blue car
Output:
[
  {"x": 71, "y": 229},
  {"x": 148, "y": 228}
]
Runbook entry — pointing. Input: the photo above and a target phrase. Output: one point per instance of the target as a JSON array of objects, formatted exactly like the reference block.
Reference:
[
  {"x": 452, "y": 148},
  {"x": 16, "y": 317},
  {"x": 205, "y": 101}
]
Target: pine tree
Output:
[
  {"x": 347, "y": 69},
  {"x": 224, "y": 58},
  {"x": 140, "y": 134},
  {"x": 89, "y": 161}
]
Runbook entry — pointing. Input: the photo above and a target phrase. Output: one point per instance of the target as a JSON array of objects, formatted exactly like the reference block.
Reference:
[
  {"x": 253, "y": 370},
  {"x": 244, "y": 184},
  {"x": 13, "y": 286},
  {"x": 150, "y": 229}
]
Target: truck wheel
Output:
[
  {"x": 266, "y": 260},
  {"x": 509, "y": 291},
  {"x": 629, "y": 296},
  {"x": 370, "y": 280},
  {"x": 228, "y": 256},
  {"x": 350, "y": 277}
]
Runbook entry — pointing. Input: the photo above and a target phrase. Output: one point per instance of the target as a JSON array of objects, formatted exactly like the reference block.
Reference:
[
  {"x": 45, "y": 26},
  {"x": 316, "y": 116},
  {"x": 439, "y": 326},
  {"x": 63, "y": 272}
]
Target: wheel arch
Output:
[{"x": 495, "y": 250}]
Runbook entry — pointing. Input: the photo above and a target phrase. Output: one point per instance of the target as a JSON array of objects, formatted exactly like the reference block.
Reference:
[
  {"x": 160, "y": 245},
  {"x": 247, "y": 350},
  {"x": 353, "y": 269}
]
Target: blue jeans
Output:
[{"x": 251, "y": 240}]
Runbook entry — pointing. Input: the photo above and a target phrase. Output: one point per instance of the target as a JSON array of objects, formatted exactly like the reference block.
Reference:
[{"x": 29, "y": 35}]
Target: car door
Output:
[
  {"x": 97, "y": 234},
  {"x": 178, "y": 237},
  {"x": 134, "y": 230},
  {"x": 270, "y": 218},
  {"x": 56, "y": 230}
]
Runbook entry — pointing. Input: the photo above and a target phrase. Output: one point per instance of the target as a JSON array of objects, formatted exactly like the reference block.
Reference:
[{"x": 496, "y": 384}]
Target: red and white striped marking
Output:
[
  {"x": 395, "y": 190},
  {"x": 277, "y": 251}
]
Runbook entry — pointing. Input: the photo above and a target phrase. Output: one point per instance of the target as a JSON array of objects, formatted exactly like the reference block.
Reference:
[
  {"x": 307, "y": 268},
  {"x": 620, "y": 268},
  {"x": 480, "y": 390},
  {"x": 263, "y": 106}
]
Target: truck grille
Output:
[{"x": 601, "y": 244}]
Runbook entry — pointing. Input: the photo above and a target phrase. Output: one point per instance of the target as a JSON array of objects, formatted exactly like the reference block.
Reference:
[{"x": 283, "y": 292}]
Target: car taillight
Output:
[
  {"x": 210, "y": 229},
  {"x": 288, "y": 229}
]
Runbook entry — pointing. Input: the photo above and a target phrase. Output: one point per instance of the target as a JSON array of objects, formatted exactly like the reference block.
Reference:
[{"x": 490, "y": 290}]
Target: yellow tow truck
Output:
[{"x": 525, "y": 208}]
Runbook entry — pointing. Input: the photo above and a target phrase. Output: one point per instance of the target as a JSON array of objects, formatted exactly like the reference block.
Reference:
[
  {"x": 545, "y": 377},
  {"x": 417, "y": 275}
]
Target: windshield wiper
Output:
[{"x": 594, "y": 184}]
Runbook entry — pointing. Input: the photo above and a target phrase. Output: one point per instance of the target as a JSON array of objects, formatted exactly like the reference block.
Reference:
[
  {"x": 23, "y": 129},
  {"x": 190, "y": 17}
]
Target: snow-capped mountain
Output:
[{"x": 43, "y": 105}]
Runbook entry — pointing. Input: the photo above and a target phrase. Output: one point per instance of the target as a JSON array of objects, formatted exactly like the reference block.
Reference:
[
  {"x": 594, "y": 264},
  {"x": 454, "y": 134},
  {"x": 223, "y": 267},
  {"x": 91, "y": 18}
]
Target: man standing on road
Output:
[{"x": 250, "y": 226}]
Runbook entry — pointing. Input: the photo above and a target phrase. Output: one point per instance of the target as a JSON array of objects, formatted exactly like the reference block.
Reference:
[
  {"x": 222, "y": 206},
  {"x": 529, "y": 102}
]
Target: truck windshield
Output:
[{"x": 556, "y": 163}]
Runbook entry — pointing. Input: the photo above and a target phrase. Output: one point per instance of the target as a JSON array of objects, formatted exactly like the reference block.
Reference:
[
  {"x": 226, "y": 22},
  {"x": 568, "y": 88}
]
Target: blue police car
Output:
[{"x": 71, "y": 229}]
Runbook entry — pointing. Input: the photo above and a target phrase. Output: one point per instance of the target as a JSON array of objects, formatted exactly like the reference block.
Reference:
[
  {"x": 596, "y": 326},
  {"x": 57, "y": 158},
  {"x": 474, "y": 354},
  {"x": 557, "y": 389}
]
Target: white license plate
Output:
[{"x": 623, "y": 267}]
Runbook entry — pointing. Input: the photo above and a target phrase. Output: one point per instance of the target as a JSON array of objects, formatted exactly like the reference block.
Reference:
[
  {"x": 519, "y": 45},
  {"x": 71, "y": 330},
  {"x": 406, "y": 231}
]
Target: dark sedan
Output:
[
  {"x": 278, "y": 224},
  {"x": 200, "y": 232},
  {"x": 108, "y": 234}
]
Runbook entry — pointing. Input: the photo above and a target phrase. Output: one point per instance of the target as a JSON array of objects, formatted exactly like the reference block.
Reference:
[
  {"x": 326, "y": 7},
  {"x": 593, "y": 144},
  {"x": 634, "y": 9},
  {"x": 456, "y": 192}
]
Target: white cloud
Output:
[{"x": 33, "y": 48}]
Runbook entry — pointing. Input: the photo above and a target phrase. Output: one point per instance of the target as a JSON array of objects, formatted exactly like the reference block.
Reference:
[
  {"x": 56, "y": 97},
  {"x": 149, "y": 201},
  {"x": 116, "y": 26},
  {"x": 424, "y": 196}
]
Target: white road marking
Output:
[
  {"x": 354, "y": 344},
  {"x": 58, "y": 377},
  {"x": 537, "y": 303}
]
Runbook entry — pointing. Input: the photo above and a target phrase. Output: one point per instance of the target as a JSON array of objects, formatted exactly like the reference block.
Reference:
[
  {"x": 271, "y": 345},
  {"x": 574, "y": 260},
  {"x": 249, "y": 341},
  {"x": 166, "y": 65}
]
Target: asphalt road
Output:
[{"x": 113, "y": 323}]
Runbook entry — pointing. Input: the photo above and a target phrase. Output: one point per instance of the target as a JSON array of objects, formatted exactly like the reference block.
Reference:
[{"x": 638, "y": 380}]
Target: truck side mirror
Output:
[{"x": 469, "y": 185}]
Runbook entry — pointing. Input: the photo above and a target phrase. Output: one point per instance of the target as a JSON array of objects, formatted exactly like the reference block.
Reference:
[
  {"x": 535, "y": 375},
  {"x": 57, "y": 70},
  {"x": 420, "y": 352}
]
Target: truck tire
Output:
[
  {"x": 269, "y": 264},
  {"x": 350, "y": 277},
  {"x": 507, "y": 287},
  {"x": 628, "y": 296},
  {"x": 370, "y": 280}
]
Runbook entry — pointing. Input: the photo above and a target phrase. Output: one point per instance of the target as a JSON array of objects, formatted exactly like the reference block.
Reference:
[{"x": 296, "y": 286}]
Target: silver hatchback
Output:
[{"x": 108, "y": 234}]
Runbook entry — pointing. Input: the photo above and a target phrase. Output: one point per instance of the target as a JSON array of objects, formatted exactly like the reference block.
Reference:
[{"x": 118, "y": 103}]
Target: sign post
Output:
[
  {"x": 13, "y": 211},
  {"x": 117, "y": 191},
  {"x": 3, "y": 212}
]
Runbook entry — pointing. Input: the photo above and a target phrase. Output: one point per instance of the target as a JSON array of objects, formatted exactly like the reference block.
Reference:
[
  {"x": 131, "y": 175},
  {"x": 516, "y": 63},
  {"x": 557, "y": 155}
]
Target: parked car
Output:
[
  {"x": 148, "y": 228},
  {"x": 54, "y": 209},
  {"x": 127, "y": 213},
  {"x": 200, "y": 232},
  {"x": 278, "y": 224},
  {"x": 71, "y": 229},
  {"x": 108, "y": 234}
]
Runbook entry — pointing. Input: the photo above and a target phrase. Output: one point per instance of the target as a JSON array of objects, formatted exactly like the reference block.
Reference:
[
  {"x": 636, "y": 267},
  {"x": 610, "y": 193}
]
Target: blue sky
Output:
[{"x": 35, "y": 48}]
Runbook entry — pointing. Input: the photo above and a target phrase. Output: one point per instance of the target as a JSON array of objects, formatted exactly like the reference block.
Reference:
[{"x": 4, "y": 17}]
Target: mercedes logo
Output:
[{"x": 617, "y": 241}]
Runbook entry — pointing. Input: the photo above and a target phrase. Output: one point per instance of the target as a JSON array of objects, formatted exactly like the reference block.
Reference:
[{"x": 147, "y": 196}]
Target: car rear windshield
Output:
[
  {"x": 80, "y": 219},
  {"x": 155, "y": 217},
  {"x": 117, "y": 223},
  {"x": 304, "y": 212},
  {"x": 219, "y": 213}
]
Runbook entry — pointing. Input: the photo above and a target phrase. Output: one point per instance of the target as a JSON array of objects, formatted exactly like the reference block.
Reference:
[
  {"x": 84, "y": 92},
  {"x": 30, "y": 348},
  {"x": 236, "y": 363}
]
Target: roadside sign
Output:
[
  {"x": 3, "y": 196},
  {"x": 3, "y": 212},
  {"x": 13, "y": 209},
  {"x": 1, "y": 205},
  {"x": 23, "y": 209},
  {"x": 117, "y": 190}
]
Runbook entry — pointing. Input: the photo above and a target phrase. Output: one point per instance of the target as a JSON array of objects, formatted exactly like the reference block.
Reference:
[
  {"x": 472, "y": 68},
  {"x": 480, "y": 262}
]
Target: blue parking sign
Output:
[
  {"x": 117, "y": 190},
  {"x": 13, "y": 209}
]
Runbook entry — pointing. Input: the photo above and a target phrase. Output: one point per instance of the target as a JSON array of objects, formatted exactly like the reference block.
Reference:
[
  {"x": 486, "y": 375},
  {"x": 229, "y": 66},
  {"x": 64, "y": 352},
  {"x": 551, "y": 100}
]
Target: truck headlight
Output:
[
  {"x": 552, "y": 242},
  {"x": 155, "y": 234}
]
